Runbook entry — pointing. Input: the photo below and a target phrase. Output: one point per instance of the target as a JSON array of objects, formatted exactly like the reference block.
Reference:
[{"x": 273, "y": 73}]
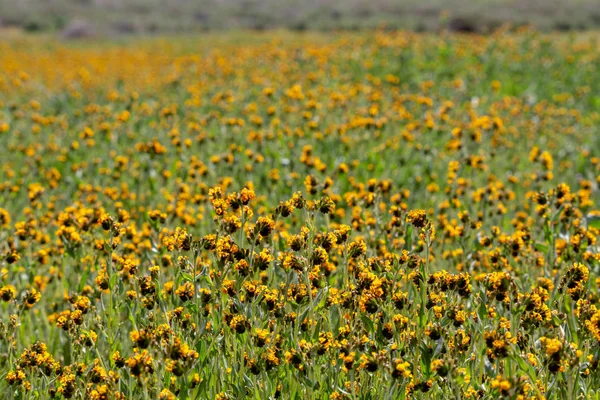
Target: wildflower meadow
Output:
[{"x": 379, "y": 215}]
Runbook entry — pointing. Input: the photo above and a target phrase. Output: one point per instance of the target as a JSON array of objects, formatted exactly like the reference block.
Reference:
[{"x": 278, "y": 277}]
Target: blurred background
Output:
[{"x": 80, "y": 18}]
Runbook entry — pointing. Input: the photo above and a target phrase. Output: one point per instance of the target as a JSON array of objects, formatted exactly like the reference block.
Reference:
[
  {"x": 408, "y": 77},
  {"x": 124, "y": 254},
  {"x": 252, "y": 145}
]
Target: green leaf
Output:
[
  {"x": 83, "y": 279},
  {"x": 67, "y": 352},
  {"x": 248, "y": 381},
  {"x": 193, "y": 307},
  {"x": 369, "y": 325},
  {"x": 541, "y": 247},
  {"x": 304, "y": 314},
  {"x": 426, "y": 358},
  {"x": 521, "y": 362},
  {"x": 593, "y": 221},
  {"x": 113, "y": 281},
  {"x": 408, "y": 237},
  {"x": 319, "y": 299},
  {"x": 201, "y": 349},
  {"x": 482, "y": 311},
  {"x": 317, "y": 330},
  {"x": 309, "y": 383}
]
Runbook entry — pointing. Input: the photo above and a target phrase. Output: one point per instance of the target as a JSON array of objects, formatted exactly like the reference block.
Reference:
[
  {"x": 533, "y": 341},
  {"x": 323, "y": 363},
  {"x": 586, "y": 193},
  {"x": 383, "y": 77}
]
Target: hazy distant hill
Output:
[{"x": 147, "y": 16}]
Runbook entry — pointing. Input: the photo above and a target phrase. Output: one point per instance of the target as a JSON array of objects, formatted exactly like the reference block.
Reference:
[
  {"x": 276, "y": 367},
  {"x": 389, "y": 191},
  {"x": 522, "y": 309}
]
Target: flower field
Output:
[{"x": 317, "y": 216}]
